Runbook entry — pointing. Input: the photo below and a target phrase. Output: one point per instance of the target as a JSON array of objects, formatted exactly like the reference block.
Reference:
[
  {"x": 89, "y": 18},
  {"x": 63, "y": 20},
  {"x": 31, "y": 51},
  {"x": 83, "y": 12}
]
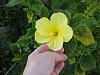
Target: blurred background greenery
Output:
[{"x": 17, "y": 27}]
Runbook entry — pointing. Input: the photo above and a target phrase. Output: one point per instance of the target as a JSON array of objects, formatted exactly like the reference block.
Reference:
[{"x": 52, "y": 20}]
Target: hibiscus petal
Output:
[
  {"x": 59, "y": 19},
  {"x": 56, "y": 43},
  {"x": 44, "y": 26},
  {"x": 41, "y": 39},
  {"x": 67, "y": 33}
]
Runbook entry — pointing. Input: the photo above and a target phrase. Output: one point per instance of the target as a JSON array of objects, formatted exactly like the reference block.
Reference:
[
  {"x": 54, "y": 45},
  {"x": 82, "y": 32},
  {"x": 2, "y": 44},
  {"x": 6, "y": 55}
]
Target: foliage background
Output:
[{"x": 83, "y": 50}]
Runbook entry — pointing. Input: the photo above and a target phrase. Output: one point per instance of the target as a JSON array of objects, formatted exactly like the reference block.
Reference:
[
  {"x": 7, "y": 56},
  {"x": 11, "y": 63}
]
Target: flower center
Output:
[{"x": 55, "y": 33}]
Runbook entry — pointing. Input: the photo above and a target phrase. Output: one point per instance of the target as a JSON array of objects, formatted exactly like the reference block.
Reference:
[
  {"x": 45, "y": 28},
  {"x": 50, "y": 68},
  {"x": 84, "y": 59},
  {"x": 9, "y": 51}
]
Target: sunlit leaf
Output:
[
  {"x": 29, "y": 16},
  {"x": 84, "y": 35}
]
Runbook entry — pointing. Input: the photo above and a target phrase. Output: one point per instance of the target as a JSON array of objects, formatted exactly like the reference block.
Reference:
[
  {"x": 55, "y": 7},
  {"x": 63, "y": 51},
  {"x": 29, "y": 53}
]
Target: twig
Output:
[{"x": 10, "y": 68}]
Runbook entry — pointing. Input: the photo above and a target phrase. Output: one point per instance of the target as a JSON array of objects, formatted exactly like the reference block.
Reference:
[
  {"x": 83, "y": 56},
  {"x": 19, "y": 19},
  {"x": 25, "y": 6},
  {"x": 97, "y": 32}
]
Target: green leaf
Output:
[
  {"x": 80, "y": 73},
  {"x": 16, "y": 59},
  {"x": 23, "y": 41},
  {"x": 91, "y": 47},
  {"x": 83, "y": 34},
  {"x": 70, "y": 49},
  {"x": 71, "y": 60},
  {"x": 77, "y": 70},
  {"x": 14, "y": 46},
  {"x": 36, "y": 6},
  {"x": 36, "y": 44},
  {"x": 87, "y": 62},
  {"x": 70, "y": 46},
  {"x": 91, "y": 23},
  {"x": 86, "y": 50},
  {"x": 26, "y": 39},
  {"x": 12, "y": 3},
  {"x": 76, "y": 20},
  {"x": 44, "y": 12},
  {"x": 68, "y": 69},
  {"x": 29, "y": 16},
  {"x": 56, "y": 4},
  {"x": 30, "y": 32},
  {"x": 26, "y": 48}
]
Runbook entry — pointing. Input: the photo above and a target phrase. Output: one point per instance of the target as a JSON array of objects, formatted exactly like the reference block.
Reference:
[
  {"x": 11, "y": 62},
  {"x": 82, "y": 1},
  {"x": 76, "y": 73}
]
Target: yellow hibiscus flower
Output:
[{"x": 54, "y": 31}]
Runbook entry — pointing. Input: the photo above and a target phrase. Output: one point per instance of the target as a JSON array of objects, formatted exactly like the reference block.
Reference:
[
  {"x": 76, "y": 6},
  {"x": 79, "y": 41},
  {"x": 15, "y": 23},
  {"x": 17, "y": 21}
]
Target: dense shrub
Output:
[{"x": 83, "y": 49}]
